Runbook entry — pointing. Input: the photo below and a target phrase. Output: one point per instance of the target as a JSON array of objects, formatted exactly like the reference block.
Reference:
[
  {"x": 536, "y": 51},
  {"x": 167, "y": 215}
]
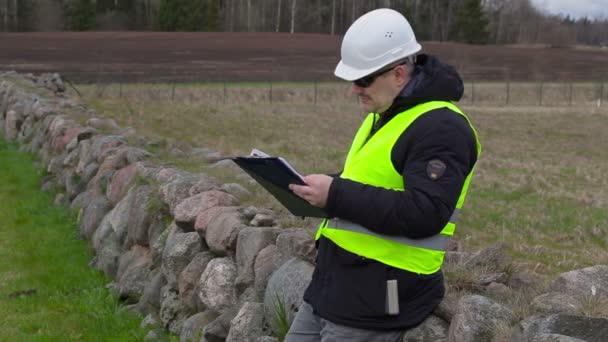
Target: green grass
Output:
[{"x": 47, "y": 291}]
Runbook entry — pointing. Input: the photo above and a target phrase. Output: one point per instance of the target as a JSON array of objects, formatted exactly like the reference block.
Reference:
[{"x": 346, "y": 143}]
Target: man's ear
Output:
[{"x": 403, "y": 74}]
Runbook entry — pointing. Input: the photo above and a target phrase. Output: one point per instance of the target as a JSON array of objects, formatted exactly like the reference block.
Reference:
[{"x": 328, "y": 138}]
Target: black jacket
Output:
[{"x": 350, "y": 290}]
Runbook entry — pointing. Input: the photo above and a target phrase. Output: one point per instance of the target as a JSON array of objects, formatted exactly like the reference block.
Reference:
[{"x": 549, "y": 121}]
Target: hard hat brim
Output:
[{"x": 347, "y": 73}]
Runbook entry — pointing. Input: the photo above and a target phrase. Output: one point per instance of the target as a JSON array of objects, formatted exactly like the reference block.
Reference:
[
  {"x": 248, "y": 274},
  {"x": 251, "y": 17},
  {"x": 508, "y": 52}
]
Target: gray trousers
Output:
[{"x": 308, "y": 327}]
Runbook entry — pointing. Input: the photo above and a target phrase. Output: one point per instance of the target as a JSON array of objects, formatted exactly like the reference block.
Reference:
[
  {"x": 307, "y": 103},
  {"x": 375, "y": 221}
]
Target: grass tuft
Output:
[{"x": 280, "y": 319}]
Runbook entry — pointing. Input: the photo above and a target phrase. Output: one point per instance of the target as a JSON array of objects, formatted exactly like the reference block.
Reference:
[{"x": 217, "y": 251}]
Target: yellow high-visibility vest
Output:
[{"x": 370, "y": 163}]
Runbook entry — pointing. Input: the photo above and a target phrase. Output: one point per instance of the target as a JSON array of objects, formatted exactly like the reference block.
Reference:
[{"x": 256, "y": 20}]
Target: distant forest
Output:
[{"x": 467, "y": 21}]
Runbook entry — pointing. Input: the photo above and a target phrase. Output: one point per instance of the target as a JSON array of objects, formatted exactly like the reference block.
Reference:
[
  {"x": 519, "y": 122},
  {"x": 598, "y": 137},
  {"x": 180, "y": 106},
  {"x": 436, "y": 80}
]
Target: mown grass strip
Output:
[{"x": 47, "y": 291}]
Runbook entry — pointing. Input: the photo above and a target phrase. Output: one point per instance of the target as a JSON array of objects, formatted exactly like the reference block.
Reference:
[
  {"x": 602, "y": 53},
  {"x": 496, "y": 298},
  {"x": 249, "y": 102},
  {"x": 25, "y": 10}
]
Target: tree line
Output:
[{"x": 469, "y": 21}]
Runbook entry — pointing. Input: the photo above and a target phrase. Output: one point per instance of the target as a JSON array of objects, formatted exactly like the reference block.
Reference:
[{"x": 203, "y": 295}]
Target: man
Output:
[{"x": 393, "y": 207}]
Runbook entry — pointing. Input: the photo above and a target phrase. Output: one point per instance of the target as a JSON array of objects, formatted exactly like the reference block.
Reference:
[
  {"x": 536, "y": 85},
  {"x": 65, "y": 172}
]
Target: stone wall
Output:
[{"x": 183, "y": 252}]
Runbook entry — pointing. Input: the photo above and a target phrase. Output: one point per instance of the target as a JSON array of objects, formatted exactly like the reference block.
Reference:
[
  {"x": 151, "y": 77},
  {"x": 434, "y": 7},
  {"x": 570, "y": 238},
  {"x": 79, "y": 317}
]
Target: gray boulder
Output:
[
  {"x": 107, "y": 248},
  {"x": 204, "y": 183},
  {"x": 536, "y": 328},
  {"x": 12, "y": 125},
  {"x": 555, "y": 302},
  {"x": 266, "y": 262},
  {"x": 140, "y": 215},
  {"x": 82, "y": 200},
  {"x": 249, "y": 243},
  {"x": 525, "y": 280},
  {"x": 217, "y": 284},
  {"x": 93, "y": 214},
  {"x": 235, "y": 190},
  {"x": 493, "y": 258},
  {"x": 178, "y": 253},
  {"x": 477, "y": 319},
  {"x": 176, "y": 188},
  {"x": 285, "y": 289},
  {"x": 172, "y": 312},
  {"x": 150, "y": 298},
  {"x": 248, "y": 323},
  {"x": 192, "y": 330},
  {"x": 103, "y": 124},
  {"x": 448, "y": 306},
  {"x": 586, "y": 282},
  {"x": 298, "y": 243},
  {"x": 101, "y": 144},
  {"x": 189, "y": 281},
  {"x": 118, "y": 219},
  {"x": 432, "y": 329},
  {"x": 263, "y": 220},
  {"x": 499, "y": 291},
  {"x": 133, "y": 272}
]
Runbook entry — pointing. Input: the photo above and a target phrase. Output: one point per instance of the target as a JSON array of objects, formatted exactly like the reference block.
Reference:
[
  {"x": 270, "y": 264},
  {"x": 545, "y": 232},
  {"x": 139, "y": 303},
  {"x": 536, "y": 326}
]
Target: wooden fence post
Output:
[
  {"x": 473, "y": 92},
  {"x": 508, "y": 92}
]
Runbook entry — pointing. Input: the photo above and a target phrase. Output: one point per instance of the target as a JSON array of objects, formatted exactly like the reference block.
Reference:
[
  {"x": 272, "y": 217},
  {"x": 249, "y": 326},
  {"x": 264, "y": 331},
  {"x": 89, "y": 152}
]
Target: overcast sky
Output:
[{"x": 575, "y": 8}]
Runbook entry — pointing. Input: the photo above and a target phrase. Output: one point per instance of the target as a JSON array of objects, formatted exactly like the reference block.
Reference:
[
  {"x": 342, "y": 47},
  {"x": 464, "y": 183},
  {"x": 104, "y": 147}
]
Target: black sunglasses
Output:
[{"x": 365, "y": 82}]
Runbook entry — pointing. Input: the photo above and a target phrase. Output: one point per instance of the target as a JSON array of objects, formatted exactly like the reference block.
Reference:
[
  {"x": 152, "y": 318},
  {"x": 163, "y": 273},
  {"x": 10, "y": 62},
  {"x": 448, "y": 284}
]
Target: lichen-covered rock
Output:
[
  {"x": 536, "y": 328},
  {"x": 93, "y": 214},
  {"x": 12, "y": 125},
  {"x": 179, "y": 251},
  {"x": 140, "y": 215},
  {"x": 248, "y": 323},
  {"x": 150, "y": 299},
  {"x": 189, "y": 281},
  {"x": 217, "y": 290},
  {"x": 297, "y": 242},
  {"x": 493, "y": 258},
  {"x": 555, "y": 302},
  {"x": 192, "y": 330},
  {"x": 586, "y": 282},
  {"x": 477, "y": 318},
  {"x": 249, "y": 243},
  {"x": 432, "y": 329},
  {"x": 133, "y": 271},
  {"x": 175, "y": 187},
  {"x": 266, "y": 262},
  {"x": 286, "y": 288}
]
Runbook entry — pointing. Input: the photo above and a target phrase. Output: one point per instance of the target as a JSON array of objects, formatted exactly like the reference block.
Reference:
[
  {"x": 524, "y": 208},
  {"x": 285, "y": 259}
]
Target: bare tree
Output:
[
  {"x": 248, "y": 15},
  {"x": 333, "y": 18},
  {"x": 278, "y": 26},
  {"x": 4, "y": 14},
  {"x": 293, "y": 15},
  {"x": 15, "y": 15}
]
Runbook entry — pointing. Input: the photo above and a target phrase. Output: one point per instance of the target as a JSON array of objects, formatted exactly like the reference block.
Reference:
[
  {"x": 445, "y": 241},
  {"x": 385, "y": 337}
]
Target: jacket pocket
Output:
[{"x": 357, "y": 287}]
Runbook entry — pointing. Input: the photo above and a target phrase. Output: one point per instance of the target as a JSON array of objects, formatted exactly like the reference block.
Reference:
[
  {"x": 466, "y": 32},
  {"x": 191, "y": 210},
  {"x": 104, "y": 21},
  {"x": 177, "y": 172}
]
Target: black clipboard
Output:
[{"x": 275, "y": 175}]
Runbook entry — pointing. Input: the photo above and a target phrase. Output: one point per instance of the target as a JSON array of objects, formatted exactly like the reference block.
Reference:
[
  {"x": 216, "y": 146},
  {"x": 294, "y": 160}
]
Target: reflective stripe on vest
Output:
[{"x": 369, "y": 162}]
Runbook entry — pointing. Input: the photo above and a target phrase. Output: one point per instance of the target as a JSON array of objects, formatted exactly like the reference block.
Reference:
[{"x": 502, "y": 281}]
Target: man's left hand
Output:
[{"x": 315, "y": 191}]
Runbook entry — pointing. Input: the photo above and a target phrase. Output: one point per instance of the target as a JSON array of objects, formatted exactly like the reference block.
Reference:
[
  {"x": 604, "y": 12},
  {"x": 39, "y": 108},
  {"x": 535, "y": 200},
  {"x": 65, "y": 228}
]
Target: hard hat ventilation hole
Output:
[{"x": 388, "y": 34}]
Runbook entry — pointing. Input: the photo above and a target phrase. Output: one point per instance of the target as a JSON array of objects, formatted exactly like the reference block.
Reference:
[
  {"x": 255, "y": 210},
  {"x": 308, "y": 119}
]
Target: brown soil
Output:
[{"x": 205, "y": 57}]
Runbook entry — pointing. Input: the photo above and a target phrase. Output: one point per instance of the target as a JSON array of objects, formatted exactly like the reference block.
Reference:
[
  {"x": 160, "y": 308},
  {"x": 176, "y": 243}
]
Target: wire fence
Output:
[{"x": 476, "y": 93}]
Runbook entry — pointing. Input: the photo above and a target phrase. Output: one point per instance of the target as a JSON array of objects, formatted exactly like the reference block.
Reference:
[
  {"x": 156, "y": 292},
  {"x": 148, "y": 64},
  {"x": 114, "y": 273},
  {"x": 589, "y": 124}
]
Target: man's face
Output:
[{"x": 379, "y": 96}]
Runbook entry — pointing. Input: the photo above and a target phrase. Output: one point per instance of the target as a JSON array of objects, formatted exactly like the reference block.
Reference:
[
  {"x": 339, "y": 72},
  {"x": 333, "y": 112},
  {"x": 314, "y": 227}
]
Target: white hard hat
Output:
[{"x": 376, "y": 39}]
